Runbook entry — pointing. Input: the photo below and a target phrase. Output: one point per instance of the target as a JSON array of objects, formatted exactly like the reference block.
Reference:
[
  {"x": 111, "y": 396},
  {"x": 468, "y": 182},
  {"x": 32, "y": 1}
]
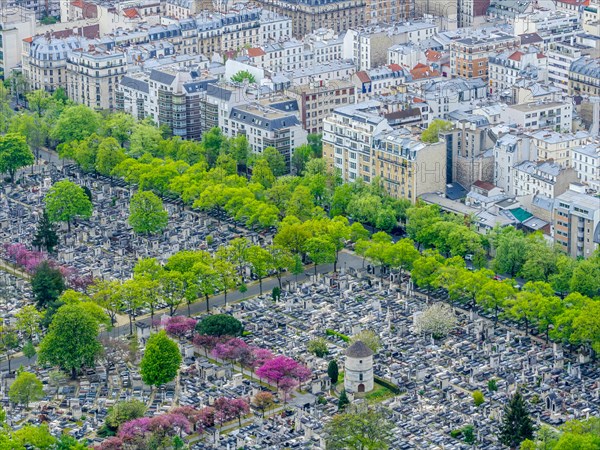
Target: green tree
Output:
[
  {"x": 37, "y": 437},
  {"x": 301, "y": 156},
  {"x": 585, "y": 277},
  {"x": 146, "y": 138},
  {"x": 494, "y": 294},
  {"x": 276, "y": 161},
  {"x": 38, "y": 101},
  {"x": 227, "y": 274},
  {"x": 124, "y": 411},
  {"x": 75, "y": 124},
  {"x": 260, "y": 263},
  {"x": 369, "y": 338},
  {"x": 359, "y": 430},
  {"x": 321, "y": 251},
  {"x": 240, "y": 149},
  {"x": 318, "y": 346},
  {"x": 109, "y": 155},
  {"x": 161, "y": 360},
  {"x": 9, "y": 341},
  {"x": 478, "y": 398},
  {"x": 242, "y": 75},
  {"x": 72, "y": 340},
  {"x": 316, "y": 143},
  {"x": 213, "y": 142},
  {"x": 147, "y": 214},
  {"x": 516, "y": 424},
  {"x": 28, "y": 321},
  {"x": 29, "y": 350},
  {"x": 333, "y": 371},
  {"x": 431, "y": 134},
  {"x": 119, "y": 126},
  {"x": 262, "y": 173},
  {"x": 300, "y": 204},
  {"x": 14, "y": 154},
  {"x": 386, "y": 219},
  {"x": 45, "y": 237},
  {"x": 47, "y": 283},
  {"x": 510, "y": 257},
  {"x": 65, "y": 201},
  {"x": 219, "y": 325},
  {"x": 492, "y": 385},
  {"x": 25, "y": 389},
  {"x": 343, "y": 400}
]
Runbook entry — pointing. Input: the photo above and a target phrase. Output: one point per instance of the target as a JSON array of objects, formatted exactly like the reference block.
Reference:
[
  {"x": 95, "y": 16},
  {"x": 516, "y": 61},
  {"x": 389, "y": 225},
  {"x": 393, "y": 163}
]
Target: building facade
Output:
[{"x": 577, "y": 222}]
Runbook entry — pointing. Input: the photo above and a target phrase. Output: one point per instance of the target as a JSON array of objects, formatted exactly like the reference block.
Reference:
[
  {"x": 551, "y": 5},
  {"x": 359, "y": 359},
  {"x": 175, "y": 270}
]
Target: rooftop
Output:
[{"x": 359, "y": 350}]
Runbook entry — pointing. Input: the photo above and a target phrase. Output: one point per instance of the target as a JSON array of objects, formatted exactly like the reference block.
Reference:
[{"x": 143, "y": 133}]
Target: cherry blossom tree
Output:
[
  {"x": 280, "y": 367},
  {"x": 168, "y": 425},
  {"x": 230, "y": 408},
  {"x": 287, "y": 385},
  {"x": 113, "y": 443},
  {"x": 207, "y": 342},
  {"x": 180, "y": 325}
]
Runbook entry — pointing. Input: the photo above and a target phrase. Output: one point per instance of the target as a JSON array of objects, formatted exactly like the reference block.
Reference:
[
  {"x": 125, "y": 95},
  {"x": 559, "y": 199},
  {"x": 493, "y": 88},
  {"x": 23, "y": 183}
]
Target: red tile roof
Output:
[
  {"x": 78, "y": 3},
  {"x": 516, "y": 56},
  {"x": 395, "y": 68},
  {"x": 418, "y": 100},
  {"x": 363, "y": 76},
  {"x": 131, "y": 13},
  {"x": 254, "y": 52},
  {"x": 28, "y": 39},
  {"x": 484, "y": 185},
  {"x": 433, "y": 55},
  {"x": 421, "y": 71}
]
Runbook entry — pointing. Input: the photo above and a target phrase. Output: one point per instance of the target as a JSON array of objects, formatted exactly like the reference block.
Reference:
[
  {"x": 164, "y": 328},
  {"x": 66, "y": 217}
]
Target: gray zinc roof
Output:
[{"x": 359, "y": 350}]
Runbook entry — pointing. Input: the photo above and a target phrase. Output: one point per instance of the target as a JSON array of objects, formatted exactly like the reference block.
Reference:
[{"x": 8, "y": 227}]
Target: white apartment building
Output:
[
  {"x": 274, "y": 27},
  {"x": 275, "y": 57},
  {"x": 406, "y": 55},
  {"x": 510, "y": 150},
  {"x": 586, "y": 161},
  {"x": 506, "y": 68},
  {"x": 368, "y": 47},
  {"x": 322, "y": 46},
  {"x": 541, "y": 178},
  {"x": 557, "y": 147},
  {"x": 538, "y": 115},
  {"x": 93, "y": 77},
  {"x": 268, "y": 125},
  {"x": 551, "y": 26},
  {"x": 560, "y": 57}
]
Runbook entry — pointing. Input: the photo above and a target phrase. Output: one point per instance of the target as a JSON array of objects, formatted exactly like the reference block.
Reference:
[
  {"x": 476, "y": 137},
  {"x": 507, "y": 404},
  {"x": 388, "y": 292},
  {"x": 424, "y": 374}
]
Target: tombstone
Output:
[{"x": 237, "y": 379}]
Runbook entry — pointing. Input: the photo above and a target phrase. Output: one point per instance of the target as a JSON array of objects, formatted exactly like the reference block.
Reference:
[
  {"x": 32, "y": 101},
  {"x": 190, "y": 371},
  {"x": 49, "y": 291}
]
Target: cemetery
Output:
[{"x": 425, "y": 384}]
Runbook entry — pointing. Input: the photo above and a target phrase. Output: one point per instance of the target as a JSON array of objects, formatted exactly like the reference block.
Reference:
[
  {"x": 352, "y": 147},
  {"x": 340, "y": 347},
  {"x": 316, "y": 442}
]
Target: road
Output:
[{"x": 346, "y": 260}]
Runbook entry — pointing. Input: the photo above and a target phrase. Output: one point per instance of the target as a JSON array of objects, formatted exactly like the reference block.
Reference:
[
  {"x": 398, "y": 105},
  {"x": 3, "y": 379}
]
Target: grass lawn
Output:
[{"x": 378, "y": 394}]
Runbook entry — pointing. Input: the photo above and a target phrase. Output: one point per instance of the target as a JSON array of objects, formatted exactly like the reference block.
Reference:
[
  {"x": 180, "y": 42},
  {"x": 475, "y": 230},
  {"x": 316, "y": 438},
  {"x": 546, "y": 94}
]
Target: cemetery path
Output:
[
  {"x": 10, "y": 269},
  {"x": 346, "y": 260}
]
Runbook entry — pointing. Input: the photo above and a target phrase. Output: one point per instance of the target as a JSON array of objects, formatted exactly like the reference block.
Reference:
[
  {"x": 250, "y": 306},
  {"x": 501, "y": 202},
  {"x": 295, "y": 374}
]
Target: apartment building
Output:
[
  {"x": 445, "y": 96},
  {"x": 358, "y": 142},
  {"x": 170, "y": 96},
  {"x": 41, "y": 9},
  {"x": 551, "y": 26},
  {"x": 317, "y": 101},
  {"x": 93, "y": 77},
  {"x": 472, "y": 13},
  {"x": 560, "y": 57},
  {"x": 586, "y": 161},
  {"x": 389, "y": 11},
  {"x": 557, "y": 116},
  {"x": 469, "y": 147},
  {"x": 368, "y": 46},
  {"x": 510, "y": 150},
  {"x": 15, "y": 24},
  {"x": 557, "y": 147},
  {"x": 584, "y": 77},
  {"x": 381, "y": 80},
  {"x": 407, "y": 55},
  {"x": 541, "y": 178},
  {"x": 507, "y": 67},
  {"x": 268, "y": 124},
  {"x": 577, "y": 222},
  {"x": 469, "y": 56},
  {"x": 308, "y": 16},
  {"x": 349, "y": 137},
  {"x": 275, "y": 57},
  {"x": 322, "y": 46},
  {"x": 407, "y": 166}
]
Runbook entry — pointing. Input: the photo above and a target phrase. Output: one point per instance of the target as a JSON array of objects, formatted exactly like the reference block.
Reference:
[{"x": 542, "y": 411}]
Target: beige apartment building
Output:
[
  {"x": 310, "y": 15},
  {"x": 93, "y": 77},
  {"x": 359, "y": 143}
]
